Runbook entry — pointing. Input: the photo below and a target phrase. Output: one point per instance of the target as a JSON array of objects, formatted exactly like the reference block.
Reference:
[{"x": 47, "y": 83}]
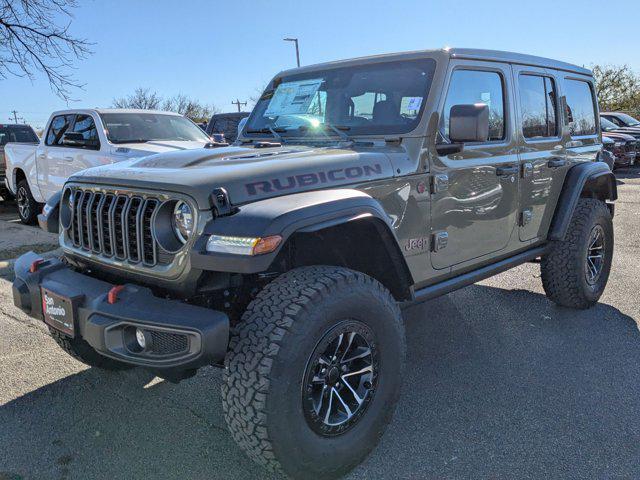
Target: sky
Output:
[{"x": 220, "y": 51}]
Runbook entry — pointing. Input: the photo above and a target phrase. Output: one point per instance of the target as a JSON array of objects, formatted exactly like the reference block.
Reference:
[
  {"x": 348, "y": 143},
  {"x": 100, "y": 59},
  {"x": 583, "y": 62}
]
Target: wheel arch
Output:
[
  {"x": 585, "y": 180},
  {"x": 362, "y": 242}
]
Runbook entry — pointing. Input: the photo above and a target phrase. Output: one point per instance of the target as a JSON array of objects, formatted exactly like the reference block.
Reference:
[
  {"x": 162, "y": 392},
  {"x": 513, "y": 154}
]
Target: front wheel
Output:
[
  {"x": 314, "y": 371},
  {"x": 575, "y": 270}
]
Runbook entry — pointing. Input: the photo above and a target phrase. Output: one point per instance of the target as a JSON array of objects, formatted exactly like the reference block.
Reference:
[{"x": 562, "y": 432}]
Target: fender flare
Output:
[
  {"x": 590, "y": 180},
  {"x": 286, "y": 215}
]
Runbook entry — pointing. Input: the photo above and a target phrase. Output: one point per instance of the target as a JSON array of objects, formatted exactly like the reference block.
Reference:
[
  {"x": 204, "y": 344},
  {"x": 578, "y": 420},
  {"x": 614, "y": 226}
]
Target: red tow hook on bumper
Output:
[{"x": 112, "y": 296}]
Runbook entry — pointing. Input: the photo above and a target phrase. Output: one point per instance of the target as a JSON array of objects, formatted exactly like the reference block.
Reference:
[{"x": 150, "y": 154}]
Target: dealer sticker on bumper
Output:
[{"x": 58, "y": 312}]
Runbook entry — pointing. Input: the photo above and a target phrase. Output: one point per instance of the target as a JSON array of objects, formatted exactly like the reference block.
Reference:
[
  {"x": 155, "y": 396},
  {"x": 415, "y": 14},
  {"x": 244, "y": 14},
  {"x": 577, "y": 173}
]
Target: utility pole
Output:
[
  {"x": 238, "y": 103},
  {"x": 294, "y": 40},
  {"x": 15, "y": 116}
]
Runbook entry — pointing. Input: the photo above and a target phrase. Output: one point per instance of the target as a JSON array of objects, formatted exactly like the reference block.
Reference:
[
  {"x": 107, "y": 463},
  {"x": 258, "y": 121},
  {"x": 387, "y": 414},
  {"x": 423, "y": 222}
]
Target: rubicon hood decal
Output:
[
  {"x": 247, "y": 174},
  {"x": 315, "y": 178}
]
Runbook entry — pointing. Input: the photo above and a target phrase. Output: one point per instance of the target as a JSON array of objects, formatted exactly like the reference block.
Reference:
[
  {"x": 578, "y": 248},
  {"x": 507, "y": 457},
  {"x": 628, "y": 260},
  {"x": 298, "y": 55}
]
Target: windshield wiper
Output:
[
  {"x": 339, "y": 129},
  {"x": 273, "y": 131},
  {"x": 132, "y": 140}
]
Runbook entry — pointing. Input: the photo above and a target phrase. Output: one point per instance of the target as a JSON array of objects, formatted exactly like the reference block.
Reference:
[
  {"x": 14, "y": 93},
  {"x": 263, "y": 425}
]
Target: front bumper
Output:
[{"x": 188, "y": 336}]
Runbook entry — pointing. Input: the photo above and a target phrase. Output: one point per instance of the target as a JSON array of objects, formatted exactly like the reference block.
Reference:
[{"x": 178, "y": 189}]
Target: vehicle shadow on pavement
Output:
[
  {"x": 500, "y": 384},
  {"x": 504, "y": 384}
]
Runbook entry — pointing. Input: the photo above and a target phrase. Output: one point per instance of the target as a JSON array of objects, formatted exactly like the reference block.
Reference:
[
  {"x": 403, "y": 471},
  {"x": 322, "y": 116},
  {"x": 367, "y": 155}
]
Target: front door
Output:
[
  {"x": 475, "y": 192},
  {"x": 53, "y": 158}
]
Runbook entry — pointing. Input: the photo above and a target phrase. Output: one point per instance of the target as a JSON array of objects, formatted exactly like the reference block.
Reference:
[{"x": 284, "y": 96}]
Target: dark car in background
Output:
[
  {"x": 616, "y": 127},
  {"x": 607, "y": 156},
  {"x": 624, "y": 146},
  {"x": 621, "y": 119},
  {"x": 14, "y": 133},
  {"x": 226, "y": 124}
]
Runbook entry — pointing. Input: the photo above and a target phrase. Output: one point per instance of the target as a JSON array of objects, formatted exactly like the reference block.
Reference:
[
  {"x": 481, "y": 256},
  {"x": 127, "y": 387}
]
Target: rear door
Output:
[
  {"x": 475, "y": 192},
  {"x": 543, "y": 156}
]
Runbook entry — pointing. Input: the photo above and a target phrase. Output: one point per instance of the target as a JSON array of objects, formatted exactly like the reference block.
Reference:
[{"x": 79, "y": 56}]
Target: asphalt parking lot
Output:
[{"x": 500, "y": 384}]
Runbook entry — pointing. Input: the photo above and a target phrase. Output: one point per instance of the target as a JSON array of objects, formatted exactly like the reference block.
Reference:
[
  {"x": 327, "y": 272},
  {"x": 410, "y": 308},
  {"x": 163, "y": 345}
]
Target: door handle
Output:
[
  {"x": 556, "y": 163},
  {"x": 42, "y": 155},
  {"x": 507, "y": 170},
  {"x": 69, "y": 159}
]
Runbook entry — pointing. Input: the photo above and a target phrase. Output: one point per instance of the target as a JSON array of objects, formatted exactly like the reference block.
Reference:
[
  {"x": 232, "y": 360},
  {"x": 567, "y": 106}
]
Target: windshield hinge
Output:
[{"x": 220, "y": 202}]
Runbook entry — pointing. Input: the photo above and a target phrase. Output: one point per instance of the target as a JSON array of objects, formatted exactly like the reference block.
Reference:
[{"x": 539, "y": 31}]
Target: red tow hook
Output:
[
  {"x": 112, "y": 296},
  {"x": 35, "y": 264}
]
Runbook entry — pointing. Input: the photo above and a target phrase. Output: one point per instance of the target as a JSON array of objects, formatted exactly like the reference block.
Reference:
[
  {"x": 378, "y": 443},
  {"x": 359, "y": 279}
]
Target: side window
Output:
[
  {"x": 57, "y": 129},
  {"x": 615, "y": 120},
  {"x": 85, "y": 125},
  {"x": 474, "y": 86},
  {"x": 581, "y": 114},
  {"x": 538, "y": 102}
]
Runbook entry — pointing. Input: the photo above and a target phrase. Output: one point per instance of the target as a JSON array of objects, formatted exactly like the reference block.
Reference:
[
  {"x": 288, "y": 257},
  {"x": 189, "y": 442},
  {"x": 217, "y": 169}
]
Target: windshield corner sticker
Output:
[
  {"x": 414, "y": 103},
  {"x": 315, "y": 178},
  {"x": 293, "y": 98}
]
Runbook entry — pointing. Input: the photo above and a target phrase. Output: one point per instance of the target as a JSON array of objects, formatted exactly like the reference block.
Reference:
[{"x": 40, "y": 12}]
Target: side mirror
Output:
[
  {"x": 469, "y": 123},
  {"x": 76, "y": 139}
]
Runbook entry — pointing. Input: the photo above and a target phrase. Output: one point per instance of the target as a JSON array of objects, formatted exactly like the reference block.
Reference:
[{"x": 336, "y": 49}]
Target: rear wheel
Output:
[
  {"x": 27, "y": 205},
  {"x": 576, "y": 269},
  {"x": 314, "y": 371}
]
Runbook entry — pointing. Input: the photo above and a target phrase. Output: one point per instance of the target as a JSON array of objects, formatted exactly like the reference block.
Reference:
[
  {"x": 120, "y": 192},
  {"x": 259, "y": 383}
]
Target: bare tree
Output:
[
  {"x": 142, "y": 98},
  {"x": 33, "y": 39},
  {"x": 189, "y": 107},
  {"x": 617, "y": 87}
]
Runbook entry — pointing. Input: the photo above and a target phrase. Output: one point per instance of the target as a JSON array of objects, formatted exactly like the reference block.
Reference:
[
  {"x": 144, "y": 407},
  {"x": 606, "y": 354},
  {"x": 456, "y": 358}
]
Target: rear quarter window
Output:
[{"x": 580, "y": 109}]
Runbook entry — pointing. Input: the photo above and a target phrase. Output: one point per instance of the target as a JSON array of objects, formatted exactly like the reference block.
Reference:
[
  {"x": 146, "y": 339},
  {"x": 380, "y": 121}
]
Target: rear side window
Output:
[
  {"x": 85, "y": 125},
  {"x": 538, "y": 104},
  {"x": 472, "y": 86},
  {"x": 59, "y": 126},
  {"x": 581, "y": 113}
]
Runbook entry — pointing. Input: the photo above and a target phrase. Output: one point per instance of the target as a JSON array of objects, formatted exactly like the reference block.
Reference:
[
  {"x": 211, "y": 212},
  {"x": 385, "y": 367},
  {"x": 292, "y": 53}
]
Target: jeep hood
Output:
[{"x": 247, "y": 174}]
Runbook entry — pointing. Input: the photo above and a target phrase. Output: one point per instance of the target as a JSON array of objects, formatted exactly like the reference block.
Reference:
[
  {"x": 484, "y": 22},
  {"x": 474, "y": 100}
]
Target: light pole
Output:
[{"x": 294, "y": 40}]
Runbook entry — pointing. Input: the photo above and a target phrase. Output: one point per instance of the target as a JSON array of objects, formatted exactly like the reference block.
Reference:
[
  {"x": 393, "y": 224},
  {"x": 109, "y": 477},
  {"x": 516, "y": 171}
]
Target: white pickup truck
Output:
[{"x": 78, "y": 139}]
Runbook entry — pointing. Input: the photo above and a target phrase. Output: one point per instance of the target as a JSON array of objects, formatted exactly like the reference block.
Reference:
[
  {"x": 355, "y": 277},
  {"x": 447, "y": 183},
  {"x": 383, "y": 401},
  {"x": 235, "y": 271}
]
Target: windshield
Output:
[
  {"x": 376, "y": 98},
  {"x": 145, "y": 127},
  {"x": 607, "y": 126},
  {"x": 628, "y": 120},
  {"x": 17, "y": 133}
]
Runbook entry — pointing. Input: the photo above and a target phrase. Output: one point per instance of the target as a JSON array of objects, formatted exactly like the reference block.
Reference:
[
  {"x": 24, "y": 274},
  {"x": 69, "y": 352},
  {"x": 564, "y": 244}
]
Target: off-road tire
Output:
[
  {"x": 564, "y": 268},
  {"x": 85, "y": 353},
  {"x": 269, "y": 353},
  {"x": 29, "y": 214}
]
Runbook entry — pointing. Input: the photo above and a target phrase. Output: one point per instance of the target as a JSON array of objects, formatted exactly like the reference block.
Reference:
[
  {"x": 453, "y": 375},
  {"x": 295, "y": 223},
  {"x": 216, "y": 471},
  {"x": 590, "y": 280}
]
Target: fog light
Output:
[{"x": 142, "y": 339}]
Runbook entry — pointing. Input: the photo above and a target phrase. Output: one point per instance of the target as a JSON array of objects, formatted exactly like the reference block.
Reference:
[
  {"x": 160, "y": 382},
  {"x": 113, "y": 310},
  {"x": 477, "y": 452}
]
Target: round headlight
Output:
[{"x": 182, "y": 220}]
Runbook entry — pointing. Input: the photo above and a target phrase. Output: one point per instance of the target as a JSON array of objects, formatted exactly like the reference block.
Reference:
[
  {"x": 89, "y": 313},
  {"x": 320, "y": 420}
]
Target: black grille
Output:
[
  {"x": 115, "y": 226},
  {"x": 163, "y": 343}
]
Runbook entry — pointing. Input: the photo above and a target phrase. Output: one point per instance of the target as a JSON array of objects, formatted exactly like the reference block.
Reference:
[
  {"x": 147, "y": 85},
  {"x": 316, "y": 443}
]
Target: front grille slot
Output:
[
  {"x": 114, "y": 225},
  {"x": 165, "y": 343}
]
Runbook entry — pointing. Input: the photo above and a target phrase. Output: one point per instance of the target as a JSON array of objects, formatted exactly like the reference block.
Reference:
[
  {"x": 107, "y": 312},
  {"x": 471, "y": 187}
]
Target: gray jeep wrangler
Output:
[{"x": 356, "y": 187}]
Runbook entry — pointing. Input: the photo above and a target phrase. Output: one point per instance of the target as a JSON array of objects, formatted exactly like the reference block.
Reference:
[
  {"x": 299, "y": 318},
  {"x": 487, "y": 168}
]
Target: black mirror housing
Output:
[{"x": 469, "y": 123}]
